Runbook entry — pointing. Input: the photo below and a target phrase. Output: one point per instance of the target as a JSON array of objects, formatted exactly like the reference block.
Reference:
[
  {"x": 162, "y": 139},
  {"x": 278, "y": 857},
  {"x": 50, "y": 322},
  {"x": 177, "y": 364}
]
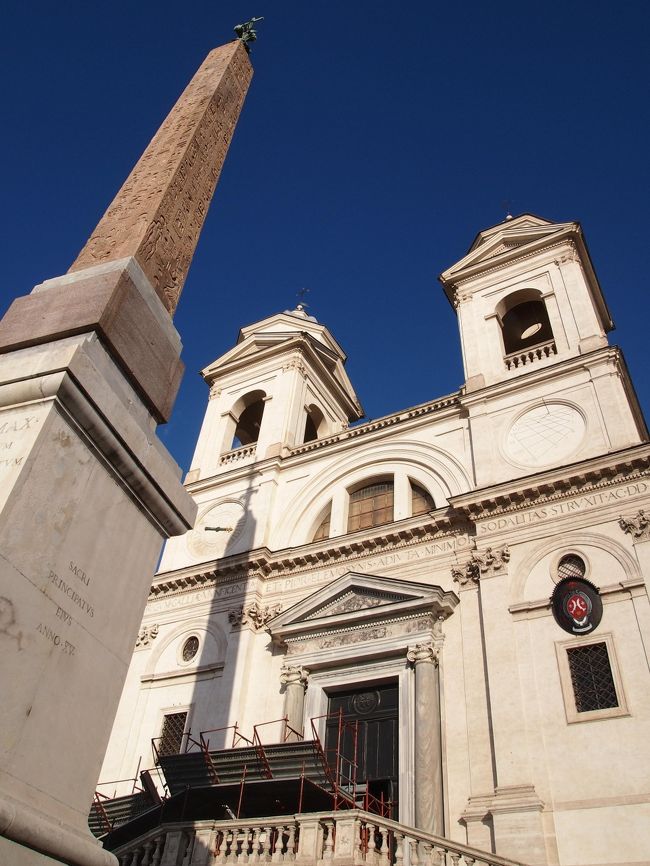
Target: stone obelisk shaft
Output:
[{"x": 157, "y": 215}]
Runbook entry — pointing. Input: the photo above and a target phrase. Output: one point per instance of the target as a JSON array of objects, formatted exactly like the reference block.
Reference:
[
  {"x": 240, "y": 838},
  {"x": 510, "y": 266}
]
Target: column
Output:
[
  {"x": 294, "y": 680},
  {"x": 429, "y": 812}
]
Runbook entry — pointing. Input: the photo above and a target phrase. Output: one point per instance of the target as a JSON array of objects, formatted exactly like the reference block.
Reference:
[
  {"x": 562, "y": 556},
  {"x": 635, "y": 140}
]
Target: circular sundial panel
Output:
[
  {"x": 228, "y": 517},
  {"x": 544, "y": 435}
]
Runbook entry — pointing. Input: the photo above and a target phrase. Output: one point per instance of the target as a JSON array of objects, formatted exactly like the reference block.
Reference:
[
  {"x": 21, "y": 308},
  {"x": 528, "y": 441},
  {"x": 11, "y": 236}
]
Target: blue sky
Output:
[{"x": 376, "y": 140}]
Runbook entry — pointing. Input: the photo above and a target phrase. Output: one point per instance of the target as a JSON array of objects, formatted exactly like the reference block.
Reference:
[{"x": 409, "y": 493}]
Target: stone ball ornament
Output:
[{"x": 577, "y": 605}]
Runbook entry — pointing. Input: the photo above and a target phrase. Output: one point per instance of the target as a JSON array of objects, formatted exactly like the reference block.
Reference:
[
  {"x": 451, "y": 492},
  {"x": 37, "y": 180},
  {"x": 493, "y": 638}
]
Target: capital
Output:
[
  {"x": 294, "y": 676},
  {"x": 638, "y": 526},
  {"x": 422, "y": 652}
]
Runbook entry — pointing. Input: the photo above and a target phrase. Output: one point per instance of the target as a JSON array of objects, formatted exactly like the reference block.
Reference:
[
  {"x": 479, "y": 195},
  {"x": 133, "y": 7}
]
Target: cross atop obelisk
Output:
[{"x": 158, "y": 214}]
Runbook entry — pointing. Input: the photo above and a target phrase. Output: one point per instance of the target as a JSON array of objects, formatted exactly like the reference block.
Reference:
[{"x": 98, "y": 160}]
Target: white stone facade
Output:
[{"x": 543, "y": 454}]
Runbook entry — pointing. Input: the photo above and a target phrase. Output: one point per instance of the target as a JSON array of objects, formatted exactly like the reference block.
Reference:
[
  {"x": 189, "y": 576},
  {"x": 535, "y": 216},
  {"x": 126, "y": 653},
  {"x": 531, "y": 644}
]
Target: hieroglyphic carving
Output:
[
  {"x": 158, "y": 213},
  {"x": 254, "y": 615},
  {"x": 488, "y": 562},
  {"x": 146, "y": 635},
  {"x": 638, "y": 526}
]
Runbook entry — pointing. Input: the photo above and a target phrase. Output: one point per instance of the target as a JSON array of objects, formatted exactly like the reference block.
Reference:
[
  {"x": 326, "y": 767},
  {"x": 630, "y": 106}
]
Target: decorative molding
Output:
[
  {"x": 295, "y": 364},
  {"x": 398, "y": 627},
  {"x": 423, "y": 652},
  {"x": 292, "y": 675},
  {"x": 253, "y": 615},
  {"x": 638, "y": 526},
  {"x": 146, "y": 635},
  {"x": 485, "y": 564},
  {"x": 452, "y": 400},
  {"x": 215, "y": 391},
  {"x": 356, "y": 599}
]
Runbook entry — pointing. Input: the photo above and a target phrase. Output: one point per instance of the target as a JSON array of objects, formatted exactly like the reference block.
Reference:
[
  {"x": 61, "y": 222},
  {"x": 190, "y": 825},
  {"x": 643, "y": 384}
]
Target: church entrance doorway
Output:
[{"x": 375, "y": 710}]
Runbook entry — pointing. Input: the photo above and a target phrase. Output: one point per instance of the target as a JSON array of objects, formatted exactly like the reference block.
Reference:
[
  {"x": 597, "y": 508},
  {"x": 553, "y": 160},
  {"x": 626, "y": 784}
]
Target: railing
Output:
[
  {"x": 351, "y": 838},
  {"x": 530, "y": 356},
  {"x": 238, "y": 454}
]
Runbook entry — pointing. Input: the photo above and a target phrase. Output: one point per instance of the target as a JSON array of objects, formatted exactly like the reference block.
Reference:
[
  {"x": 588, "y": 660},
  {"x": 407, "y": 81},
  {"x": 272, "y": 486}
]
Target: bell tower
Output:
[
  {"x": 527, "y": 296},
  {"x": 282, "y": 385},
  {"x": 542, "y": 384}
]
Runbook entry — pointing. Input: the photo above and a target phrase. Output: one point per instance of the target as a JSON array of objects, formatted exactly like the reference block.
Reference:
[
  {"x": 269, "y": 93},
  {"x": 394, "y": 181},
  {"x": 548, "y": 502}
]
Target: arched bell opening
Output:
[
  {"x": 248, "y": 419},
  {"x": 524, "y": 321},
  {"x": 314, "y": 424}
]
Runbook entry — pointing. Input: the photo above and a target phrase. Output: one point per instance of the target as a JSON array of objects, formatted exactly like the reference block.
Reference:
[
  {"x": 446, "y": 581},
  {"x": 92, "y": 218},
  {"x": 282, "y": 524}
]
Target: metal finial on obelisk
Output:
[{"x": 246, "y": 32}]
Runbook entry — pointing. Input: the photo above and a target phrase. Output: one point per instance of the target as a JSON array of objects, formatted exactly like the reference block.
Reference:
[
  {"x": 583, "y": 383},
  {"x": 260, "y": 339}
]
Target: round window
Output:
[
  {"x": 571, "y": 566},
  {"x": 190, "y": 648}
]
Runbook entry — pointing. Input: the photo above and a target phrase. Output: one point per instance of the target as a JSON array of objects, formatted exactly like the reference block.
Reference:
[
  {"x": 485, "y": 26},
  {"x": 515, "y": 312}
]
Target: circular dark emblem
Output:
[
  {"x": 364, "y": 702},
  {"x": 577, "y": 606}
]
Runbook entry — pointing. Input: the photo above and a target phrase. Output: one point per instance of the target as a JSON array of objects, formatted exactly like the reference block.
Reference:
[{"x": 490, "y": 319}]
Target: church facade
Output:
[{"x": 465, "y": 580}]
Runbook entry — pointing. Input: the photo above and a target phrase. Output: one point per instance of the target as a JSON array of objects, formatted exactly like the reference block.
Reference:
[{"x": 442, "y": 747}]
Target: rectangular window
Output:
[
  {"x": 590, "y": 679},
  {"x": 171, "y": 736},
  {"x": 591, "y": 676}
]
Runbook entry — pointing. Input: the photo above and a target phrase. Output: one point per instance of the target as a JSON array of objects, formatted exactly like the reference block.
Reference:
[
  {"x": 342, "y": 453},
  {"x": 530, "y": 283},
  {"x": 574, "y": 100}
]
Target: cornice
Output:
[
  {"x": 263, "y": 563},
  {"x": 451, "y": 401},
  {"x": 302, "y": 344},
  {"x": 505, "y": 259},
  {"x": 555, "y": 484},
  {"x": 506, "y": 497},
  {"x": 561, "y": 366}
]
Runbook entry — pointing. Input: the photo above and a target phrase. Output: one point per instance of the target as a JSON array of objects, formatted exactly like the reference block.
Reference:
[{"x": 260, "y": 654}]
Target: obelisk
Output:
[{"x": 89, "y": 363}]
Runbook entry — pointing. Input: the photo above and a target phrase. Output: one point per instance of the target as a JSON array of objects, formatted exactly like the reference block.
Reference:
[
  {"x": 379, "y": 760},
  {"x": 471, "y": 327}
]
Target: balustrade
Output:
[
  {"x": 237, "y": 454},
  {"x": 530, "y": 356},
  {"x": 344, "y": 838}
]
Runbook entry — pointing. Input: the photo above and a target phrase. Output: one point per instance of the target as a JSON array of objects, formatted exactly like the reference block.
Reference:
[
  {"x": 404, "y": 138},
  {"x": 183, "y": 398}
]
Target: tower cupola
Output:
[
  {"x": 527, "y": 296},
  {"x": 283, "y": 384}
]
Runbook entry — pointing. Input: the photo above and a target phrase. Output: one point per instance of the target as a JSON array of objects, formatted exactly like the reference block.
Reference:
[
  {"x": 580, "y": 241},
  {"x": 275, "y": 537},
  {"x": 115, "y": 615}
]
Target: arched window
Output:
[
  {"x": 249, "y": 422},
  {"x": 524, "y": 321},
  {"x": 571, "y": 565},
  {"x": 314, "y": 424},
  {"x": 371, "y": 506},
  {"x": 323, "y": 530},
  {"x": 421, "y": 500}
]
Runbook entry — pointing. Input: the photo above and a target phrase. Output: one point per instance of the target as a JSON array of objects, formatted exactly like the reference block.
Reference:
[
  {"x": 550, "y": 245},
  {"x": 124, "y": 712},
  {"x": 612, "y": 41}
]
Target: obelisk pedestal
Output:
[{"x": 89, "y": 363}]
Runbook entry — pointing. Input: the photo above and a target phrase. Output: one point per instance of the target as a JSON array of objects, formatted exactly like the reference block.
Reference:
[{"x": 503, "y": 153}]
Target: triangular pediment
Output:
[
  {"x": 510, "y": 237},
  {"x": 355, "y": 599}
]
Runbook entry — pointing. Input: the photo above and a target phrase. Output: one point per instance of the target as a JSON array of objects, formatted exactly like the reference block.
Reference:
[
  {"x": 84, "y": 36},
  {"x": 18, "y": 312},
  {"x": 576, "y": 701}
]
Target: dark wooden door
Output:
[{"x": 375, "y": 710}]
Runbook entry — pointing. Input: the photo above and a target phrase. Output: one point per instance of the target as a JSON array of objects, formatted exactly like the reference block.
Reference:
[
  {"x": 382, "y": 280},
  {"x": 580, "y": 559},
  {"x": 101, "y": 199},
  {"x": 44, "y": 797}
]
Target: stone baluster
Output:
[
  {"x": 157, "y": 854},
  {"x": 278, "y": 845},
  {"x": 427, "y": 852},
  {"x": 148, "y": 847},
  {"x": 429, "y": 813},
  {"x": 294, "y": 680},
  {"x": 266, "y": 845},
  {"x": 291, "y": 842},
  {"x": 455, "y": 857},
  {"x": 414, "y": 852},
  {"x": 135, "y": 856},
  {"x": 399, "y": 849},
  {"x": 255, "y": 846},
  {"x": 384, "y": 851},
  {"x": 242, "y": 857}
]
